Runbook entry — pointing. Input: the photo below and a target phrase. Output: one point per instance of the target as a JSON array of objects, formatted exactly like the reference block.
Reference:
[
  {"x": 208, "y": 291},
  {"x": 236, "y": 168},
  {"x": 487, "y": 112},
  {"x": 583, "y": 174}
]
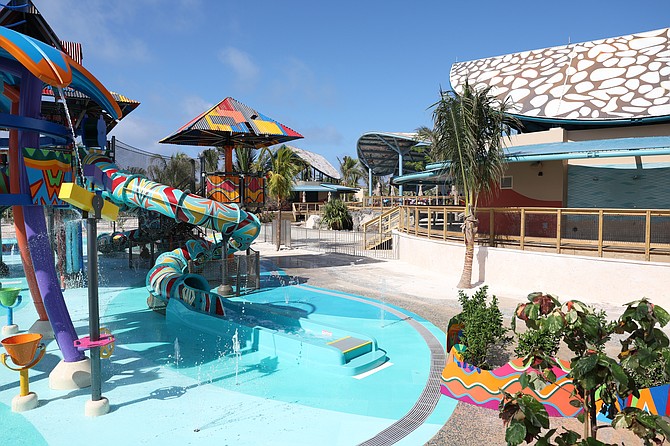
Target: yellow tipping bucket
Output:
[{"x": 22, "y": 347}]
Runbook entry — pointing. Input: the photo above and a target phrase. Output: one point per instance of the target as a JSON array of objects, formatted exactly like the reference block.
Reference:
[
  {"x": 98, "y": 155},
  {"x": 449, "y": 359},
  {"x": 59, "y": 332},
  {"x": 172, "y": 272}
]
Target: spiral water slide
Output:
[{"x": 166, "y": 279}]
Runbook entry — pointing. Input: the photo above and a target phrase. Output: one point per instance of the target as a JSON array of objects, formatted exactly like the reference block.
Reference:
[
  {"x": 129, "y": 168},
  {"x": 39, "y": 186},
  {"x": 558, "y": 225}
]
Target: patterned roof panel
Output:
[
  {"x": 614, "y": 78},
  {"x": 232, "y": 123}
]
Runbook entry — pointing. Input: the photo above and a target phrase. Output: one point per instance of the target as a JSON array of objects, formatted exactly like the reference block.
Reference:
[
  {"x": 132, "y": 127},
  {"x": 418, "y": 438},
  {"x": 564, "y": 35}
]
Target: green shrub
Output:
[
  {"x": 336, "y": 215},
  {"x": 533, "y": 341},
  {"x": 483, "y": 326}
]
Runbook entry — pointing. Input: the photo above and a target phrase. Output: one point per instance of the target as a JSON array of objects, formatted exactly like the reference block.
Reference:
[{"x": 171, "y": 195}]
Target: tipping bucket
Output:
[
  {"x": 8, "y": 296},
  {"x": 22, "y": 348}
]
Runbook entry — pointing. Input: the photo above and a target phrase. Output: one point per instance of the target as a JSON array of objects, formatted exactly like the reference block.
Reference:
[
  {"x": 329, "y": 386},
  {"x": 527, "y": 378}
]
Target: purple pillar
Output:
[{"x": 36, "y": 232}]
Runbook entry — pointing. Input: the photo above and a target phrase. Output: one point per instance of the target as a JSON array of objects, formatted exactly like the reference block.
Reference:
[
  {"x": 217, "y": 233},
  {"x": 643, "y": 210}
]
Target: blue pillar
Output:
[{"x": 400, "y": 191}]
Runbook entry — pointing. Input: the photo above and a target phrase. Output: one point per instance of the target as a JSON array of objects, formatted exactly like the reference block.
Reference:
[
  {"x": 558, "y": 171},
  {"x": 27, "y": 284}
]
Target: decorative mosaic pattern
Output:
[
  {"x": 254, "y": 190},
  {"x": 619, "y": 77},
  {"x": 223, "y": 188},
  {"x": 47, "y": 170}
]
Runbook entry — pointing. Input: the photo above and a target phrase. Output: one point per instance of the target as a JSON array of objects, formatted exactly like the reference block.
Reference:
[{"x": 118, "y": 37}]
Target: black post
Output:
[{"x": 94, "y": 313}]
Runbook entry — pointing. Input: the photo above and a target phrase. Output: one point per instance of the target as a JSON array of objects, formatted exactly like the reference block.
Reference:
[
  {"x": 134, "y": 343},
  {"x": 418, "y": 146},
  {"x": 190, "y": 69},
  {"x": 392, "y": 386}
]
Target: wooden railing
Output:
[
  {"x": 643, "y": 233},
  {"x": 386, "y": 202},
  {"x": 305, "y": 209},
  {"x": 378, "y": 231}
]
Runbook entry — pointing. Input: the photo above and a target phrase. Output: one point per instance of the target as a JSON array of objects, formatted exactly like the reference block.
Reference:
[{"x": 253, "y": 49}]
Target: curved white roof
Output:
[{"x": 615, "y": 78}]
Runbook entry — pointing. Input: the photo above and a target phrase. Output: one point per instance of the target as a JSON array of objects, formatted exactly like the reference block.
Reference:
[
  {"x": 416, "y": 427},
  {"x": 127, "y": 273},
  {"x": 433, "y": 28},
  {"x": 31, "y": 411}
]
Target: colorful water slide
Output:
[
  {"x": 238, "y": 227},
  {"x": 288, "y": 334}
]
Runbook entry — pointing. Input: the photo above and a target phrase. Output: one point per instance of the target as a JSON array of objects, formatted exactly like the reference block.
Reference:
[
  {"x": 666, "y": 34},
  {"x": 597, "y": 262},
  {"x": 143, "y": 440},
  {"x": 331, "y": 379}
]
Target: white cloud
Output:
[
  {"x": 246, "y": 71},
  {"x": 142, "y": 133},
  {"x": 96, "y": 25},
  {"x": 192, "y": 106},
  {"x": 298, "y": 82}
]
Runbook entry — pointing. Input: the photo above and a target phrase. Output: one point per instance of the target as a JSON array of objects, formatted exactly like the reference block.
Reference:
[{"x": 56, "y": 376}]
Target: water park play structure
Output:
[{"x": 28, "y": 63}]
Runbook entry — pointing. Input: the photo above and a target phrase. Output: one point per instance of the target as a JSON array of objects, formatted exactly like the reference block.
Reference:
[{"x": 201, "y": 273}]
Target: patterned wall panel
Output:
[
  {"x": 223, "y": 188},
  {"x": 254, "y": 190},
  {"x": 619, "y": 77},
  {"x": 47, "y": 170}
]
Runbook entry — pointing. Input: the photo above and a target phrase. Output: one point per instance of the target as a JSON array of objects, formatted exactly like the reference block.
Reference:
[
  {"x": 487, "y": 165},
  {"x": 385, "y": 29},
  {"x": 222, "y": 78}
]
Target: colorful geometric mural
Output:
[
  {"x": 223, "y": 188},
  {"x": 254, "y": 190},
  {"x": 472, "y": 385},
  {"x": 47, "y": 171}
]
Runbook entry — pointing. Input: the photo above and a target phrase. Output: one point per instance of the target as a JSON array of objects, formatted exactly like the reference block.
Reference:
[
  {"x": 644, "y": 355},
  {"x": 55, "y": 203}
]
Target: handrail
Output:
[
  {"x": 386, "y": 222},
  {"x": 644, "y": 232}
]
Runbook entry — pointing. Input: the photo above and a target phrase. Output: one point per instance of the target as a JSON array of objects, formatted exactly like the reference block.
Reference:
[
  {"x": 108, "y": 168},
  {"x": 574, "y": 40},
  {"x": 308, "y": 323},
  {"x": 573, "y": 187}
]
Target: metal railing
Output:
[
  {"x": 242, "y": 271},
  {"x": 325, "y": 240},
  {"x": 601, "y": 232}
]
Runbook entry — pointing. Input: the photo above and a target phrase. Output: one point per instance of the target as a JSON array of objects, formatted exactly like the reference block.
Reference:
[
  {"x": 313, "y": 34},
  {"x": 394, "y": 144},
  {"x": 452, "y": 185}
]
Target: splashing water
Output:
[
  {"x": 288, "y": 284},
  {"x": 74, "y": 137},
  {"x": 236, "y": 351},
  {"x": 177, "y": 352}
]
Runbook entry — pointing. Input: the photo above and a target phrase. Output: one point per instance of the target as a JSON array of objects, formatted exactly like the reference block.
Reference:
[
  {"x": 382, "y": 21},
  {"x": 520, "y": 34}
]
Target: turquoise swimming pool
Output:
[{"x": 194, "y": 386}]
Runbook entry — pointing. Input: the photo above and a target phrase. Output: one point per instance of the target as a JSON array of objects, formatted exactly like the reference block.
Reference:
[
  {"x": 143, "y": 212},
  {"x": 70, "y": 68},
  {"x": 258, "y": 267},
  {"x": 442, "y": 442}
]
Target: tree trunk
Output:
[
  {"x": 279, "y": 229},
  {"x": 590, "y": 416},
  {"x": 469, "y": 232}
]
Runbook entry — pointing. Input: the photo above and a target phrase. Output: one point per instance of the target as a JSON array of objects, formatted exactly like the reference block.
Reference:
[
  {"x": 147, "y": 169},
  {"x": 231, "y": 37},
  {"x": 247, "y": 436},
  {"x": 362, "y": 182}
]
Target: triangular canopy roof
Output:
[{"x": 231, "y": 123}]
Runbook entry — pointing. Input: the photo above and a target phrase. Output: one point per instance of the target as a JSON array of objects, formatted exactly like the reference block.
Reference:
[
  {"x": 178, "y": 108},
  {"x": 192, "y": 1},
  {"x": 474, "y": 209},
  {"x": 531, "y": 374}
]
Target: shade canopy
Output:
[
  {"x": 382, "y": 152},
  {"x": 232, "y": 124}
]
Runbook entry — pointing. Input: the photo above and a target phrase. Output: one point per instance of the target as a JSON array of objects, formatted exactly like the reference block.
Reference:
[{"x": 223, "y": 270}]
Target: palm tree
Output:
[
  {"x": 284, "y": 166},
  {"x": 210, "y": 160},
  {"x": 468, "y": 135},
  {"x": 351, "y": 171},
  {"x": 177, "y": 171},
  {"x": 248, "y": 161}
]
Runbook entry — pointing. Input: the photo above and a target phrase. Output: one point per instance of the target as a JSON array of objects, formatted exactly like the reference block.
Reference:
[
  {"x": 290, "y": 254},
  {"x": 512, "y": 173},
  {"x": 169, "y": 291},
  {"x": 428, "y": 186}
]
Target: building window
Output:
[{"x": 506, "y": 183}]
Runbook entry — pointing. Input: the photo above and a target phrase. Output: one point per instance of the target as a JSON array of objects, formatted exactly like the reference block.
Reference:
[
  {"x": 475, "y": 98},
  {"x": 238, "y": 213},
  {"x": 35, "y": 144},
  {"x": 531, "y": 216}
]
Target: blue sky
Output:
[{"x": 330, "y": 70}]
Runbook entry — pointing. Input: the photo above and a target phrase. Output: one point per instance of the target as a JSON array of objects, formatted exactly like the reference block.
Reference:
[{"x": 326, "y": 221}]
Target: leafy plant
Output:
[
  {"x": 337, "y": 216},
  {"x": 284, "y": 165},
  {"x": 531, "y": 341},
  {"x": 594, "y": 374},
  {"x": 483, "y": 325}
]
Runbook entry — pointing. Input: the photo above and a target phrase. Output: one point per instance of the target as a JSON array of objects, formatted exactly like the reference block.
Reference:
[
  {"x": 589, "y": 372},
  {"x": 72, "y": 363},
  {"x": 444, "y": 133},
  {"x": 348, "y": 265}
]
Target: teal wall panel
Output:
[{"x": 600, "y": 187}]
